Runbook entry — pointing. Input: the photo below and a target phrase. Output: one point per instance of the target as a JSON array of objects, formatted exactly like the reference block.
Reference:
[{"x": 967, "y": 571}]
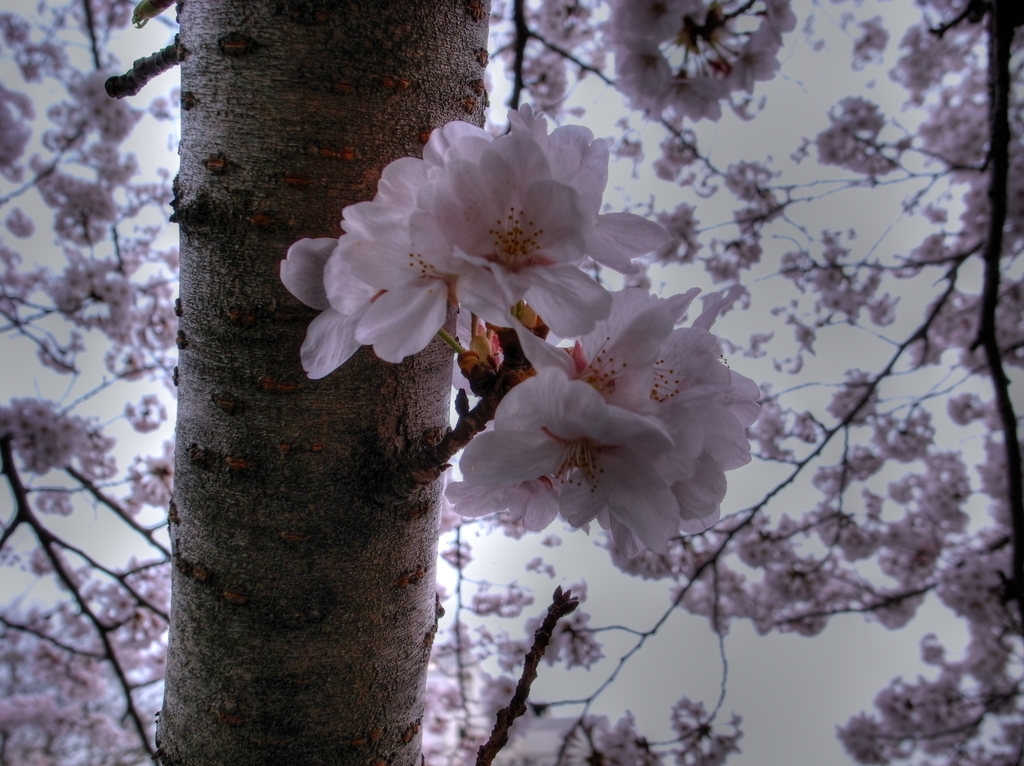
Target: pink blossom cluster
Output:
[
  {"x": 55, "y": 711},
  {"x": 15, "y": 110},
  {"x": 46, "y": 438},
  {"x": 633, "y": 428},
  {"x": 151, "y": 479},
  {"x": 685, "y": 57},
  {"x": 480, "y": 223},
  {"x": 852, "y": 141}
]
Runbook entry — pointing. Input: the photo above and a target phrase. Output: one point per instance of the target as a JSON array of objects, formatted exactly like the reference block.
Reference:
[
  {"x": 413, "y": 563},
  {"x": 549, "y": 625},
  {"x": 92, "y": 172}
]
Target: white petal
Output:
[
  {"x": 402, "y": 322},
  {"x": 639, "y": 498},
  {"x": 570, "y": 409},
  {"x": 568, "y": 301},
  {"x": 678, "y": 304},
  {"x": 366, "y": 220},
  {"x": 632, "y": 334},
  {"x": 619, "y": 237},
  {"x": 580, "y": 161},
  {"x": 714, "y": 304},
  {"x": 540, "y": 353},
  {"x": 401, "y": 181},
  {"x": 698, "y": 525},
  {"x": 330, "y": 342},
  {"x": 302, "y": 270},
  {"x": 480, "y": 293},
  {"x": 346, "y": 293},
  {"x": 495, "y": 458},
  {"x": 700, "y": 497},
  {"x": 538, "y": 503},
  {"x": 461, "y": 138},
  {"x": 629, "y": 545},
  {"x": 400, "y": 253},
  {"x": 473, "y": 501},
  {"x": 579, "y": 501}
]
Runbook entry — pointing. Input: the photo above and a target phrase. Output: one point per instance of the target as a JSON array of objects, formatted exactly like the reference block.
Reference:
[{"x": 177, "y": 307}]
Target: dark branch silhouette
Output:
[
  {"x": 562, "y": 604},
  {"x": 1000, "y": 40}
]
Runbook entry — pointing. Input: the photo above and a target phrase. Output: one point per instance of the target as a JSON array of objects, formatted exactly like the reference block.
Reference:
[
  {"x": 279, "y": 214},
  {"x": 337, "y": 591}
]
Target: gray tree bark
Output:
[{"x": 303, "y": 606}]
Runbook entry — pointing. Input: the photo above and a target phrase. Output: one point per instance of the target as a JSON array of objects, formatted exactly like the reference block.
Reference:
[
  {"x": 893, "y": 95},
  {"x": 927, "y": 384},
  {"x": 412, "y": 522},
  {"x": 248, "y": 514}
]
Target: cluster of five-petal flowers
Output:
[
  {"x": 479, "y": 222},
  {"x": 634, "y": 427}
]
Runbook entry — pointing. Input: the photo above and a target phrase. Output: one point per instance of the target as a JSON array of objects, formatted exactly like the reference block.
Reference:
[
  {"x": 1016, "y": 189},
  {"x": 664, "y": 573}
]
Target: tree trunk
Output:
[{"x": 303, "y": 605}]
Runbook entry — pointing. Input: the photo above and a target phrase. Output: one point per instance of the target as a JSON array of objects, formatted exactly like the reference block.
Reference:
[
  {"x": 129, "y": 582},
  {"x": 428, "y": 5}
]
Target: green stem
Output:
[{"x": 451, "y": 341}]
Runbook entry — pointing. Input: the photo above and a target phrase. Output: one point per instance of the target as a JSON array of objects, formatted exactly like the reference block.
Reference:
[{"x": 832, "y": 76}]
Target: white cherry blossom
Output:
[
  {"x": 478, "y": 222},
  {"x": 321, "y": 281},
  {"x": 638, "y": 361},
  {"x": 686, "y": 57},
  {"x": 597, "y": 456}
]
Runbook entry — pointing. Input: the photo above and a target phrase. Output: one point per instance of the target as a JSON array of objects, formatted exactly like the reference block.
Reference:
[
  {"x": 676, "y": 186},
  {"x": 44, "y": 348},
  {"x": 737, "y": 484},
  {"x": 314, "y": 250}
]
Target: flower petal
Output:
[
  {"x": 568, "y": 301},
  {"x": 330, "y": 342},
  {"x": 619, "y": 237},
  {"x": 402, "y": 322},
  {"x": 640, "y": 499},
  {"x": 494, "y": 458},
  {"x": 302, "y": 270}
]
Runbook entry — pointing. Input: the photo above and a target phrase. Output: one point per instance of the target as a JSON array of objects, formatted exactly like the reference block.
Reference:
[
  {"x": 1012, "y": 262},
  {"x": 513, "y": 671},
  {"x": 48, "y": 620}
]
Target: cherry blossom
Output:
[
  {"x": 597, "y": 455},
  {"x": 637, "y": 362},
  {"x": 479, "y": 222},
  {"x": 684, "y": 57}
]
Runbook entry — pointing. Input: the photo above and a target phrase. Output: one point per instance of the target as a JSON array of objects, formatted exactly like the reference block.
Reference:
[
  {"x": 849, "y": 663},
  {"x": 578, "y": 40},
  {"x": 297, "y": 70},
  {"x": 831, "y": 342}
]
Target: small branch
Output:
[
  {"x": 562, "y": 604},
  {"x": 144, "y": 70},
  {"x": 17, "y": 489},
  {"x": 974, "y": 12},
  {"x": 90, "y": 25},
  {"x": 584, "y": 67},
  {"x": 5, "y": 622},
  {"x": 491, "y": 386},
  {"x": 522, "y": 37},
  {"x": 1000, "y": 39},
  {"x": 48, "y": 543},
  {"x": 116, "y": 507}
]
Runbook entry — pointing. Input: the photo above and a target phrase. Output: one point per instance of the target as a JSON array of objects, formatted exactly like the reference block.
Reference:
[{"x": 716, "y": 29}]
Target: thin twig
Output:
[
  {"x": 116, "y": 507},
  {"x": 430, "y": 462},
  {"x": 90, "y": 25},
  {"x": 521, "y": 38},
  {"x": 460, "y": 663},
  {"x": 562, "y": 604},
  {"x": 974, "y": 12}
]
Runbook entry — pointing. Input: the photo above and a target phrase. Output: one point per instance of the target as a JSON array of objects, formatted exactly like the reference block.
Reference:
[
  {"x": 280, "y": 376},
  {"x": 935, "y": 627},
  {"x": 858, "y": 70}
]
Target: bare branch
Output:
[
  {"x": 90, "y": 24},
  {"x": 116, "y": 507},
  {"x": 521, "y": 38},
  {"x": 1000, "y": 38},
  {"x": 562, "y": 604}
]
